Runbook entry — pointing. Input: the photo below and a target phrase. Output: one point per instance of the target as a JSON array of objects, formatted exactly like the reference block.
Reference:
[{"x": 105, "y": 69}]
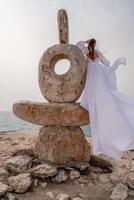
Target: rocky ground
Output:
[{"x": 22, "y": 177}]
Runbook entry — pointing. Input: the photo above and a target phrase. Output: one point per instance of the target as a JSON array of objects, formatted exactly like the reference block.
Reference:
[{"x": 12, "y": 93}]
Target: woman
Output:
[{"x": 111, "y": 113}]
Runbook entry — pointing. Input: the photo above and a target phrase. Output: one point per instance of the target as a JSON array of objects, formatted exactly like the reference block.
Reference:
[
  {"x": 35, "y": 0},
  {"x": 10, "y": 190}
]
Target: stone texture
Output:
[
  {"x": 74, "y": 174},
  {"x": 63, "y": 197},
  {"x": 50, "y": 195},
  {"x": 3, "y": 188},
  {"x": 130, "y": 180},
  {"x": 104, "y": 178},
  {"x": 11, "y": 196},
  {"x": 3, "y": 171},
  {"x": 63, "y": 31},
  {"x": 63, "y": 114},
  {"x": 43, "y": 171},
  {"x": 18, "y": 163},
  {"x": 120, "y": 192},
  {"x": 66, "y": 87},
  {"x": 62, "y": 144},
  {"x": 60, "y": 177},
  {"x": 43, "y": 184},
  {"x": 20, "y": 183}
]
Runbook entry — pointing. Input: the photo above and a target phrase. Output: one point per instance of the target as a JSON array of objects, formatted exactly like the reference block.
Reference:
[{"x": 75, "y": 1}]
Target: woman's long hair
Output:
[{"x": 91, "y": 46}]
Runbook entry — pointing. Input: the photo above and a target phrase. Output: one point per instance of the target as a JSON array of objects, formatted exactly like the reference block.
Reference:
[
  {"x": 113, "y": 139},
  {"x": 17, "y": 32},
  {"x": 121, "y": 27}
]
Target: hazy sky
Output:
[{"x": 28, "y": 27}]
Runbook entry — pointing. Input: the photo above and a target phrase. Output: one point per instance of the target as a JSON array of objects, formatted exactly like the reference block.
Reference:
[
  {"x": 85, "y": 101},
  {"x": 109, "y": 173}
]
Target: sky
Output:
[{"x": 29, "y": 27}]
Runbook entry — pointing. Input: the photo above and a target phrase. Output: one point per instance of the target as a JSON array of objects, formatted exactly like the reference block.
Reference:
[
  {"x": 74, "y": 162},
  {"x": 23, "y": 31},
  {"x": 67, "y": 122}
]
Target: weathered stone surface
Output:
[
  {"x": 81, "y": 165},
  {"x": 60, "y": 177},
  {"x": 62, "y": 19},
  {"x": 104, "y": 178},
  {"x": 20, "y": 183},
  {"x": 50, "y": 195},
  {"x": 120, "y": 192},
  {"x": 11, "y": 196},
  {"x": 18, "y": 163},
  {"x": 63, "y": 114},
  {"x": 62, "y": 144},
  {"x": 74, "y": 174},
  {"x": 63, "y": 197},
  {"x": 43, "y": 184},
  {"x": 43, "y": 171},
  {"x": 130, "y": 180},
  {"x": 3, "y": 188},
  {"x": 66, "y": 87},
  {"x": 3, "y": 171}
]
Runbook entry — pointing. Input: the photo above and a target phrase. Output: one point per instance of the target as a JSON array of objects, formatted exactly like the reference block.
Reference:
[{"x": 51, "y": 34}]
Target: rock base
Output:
[{"x": 62, "y": 145}]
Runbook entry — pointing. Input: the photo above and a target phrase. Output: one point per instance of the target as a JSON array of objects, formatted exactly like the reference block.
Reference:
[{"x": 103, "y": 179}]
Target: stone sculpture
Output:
[{"x": 60, "y": 140}]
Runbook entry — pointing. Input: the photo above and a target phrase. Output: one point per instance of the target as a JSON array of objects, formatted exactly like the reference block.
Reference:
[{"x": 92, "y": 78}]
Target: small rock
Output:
[
  {"x": 3, "y": 188},
  {"x": 120, "y": 192},
  {"x": 3, "y": 171},
  {"x": 63, "y": 197},
  {"x": 14, "y": 143},
  {"x": 77, "y": 198},
  {"x": 82, "y": 180},
  {"x": 119, "y": 175},
  {"x": 60, "y": 177},
  {"x": 131, "y": 193},
  {"x": 130, "y": 180},
  {"x": 81, "y": 165},
  {"x": 11, "y": 196},
  {"x": 22, "y": 138},
  {"x": 20, "y": 183},
  {"x": 95, "y": 169},
  {"x": 36, "y": 182},
  {"x": 90, "y": 184},
  {"x": 103, "y": 178},
  {"x": 81, "y": 195},
  {"x": 114, "y": 178},
  {"x": 82, "y": 184},
  {"x": 43, "y": 184},
  {"x": 74, "y": 174},
  {"x": 43, "y": 171},
  {"x": 50, "y": 194},
  {"x": 18, "y": 163}
]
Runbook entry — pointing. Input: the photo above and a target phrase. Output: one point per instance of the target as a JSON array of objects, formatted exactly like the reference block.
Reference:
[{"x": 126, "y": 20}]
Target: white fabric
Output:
[{"x": 111, "y": 112}]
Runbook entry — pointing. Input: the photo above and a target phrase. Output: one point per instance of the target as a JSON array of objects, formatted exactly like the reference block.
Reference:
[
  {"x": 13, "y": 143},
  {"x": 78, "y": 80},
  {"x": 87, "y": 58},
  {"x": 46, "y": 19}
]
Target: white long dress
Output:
[{"x": 111, "y": 112}]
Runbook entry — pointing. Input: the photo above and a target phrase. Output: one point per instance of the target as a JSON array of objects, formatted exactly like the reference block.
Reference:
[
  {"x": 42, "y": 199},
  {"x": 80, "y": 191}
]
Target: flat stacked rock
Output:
[{"x": 61, "y": 140}]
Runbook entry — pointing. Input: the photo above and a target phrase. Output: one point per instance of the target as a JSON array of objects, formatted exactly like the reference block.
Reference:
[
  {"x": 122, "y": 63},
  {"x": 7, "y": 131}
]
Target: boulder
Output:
[
  {"x": 62, "y": 144},
  {"x": 18, "y": 164},
  {"x": 43, "y": 171},
  {"x": 43, "y": 113},
  {"x": 20, "y": 183}
]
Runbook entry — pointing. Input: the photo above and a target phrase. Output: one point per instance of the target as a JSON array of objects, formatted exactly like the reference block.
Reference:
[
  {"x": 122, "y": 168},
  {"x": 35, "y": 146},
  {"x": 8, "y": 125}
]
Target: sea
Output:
[{"x": 9, "y": 122}]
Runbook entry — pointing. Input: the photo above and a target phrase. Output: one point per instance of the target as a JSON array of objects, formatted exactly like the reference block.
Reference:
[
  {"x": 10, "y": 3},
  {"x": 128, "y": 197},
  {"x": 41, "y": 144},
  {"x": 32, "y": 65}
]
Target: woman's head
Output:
[
  {"x": 91, "y": 43},
  {"x": 91, "y": 47}
]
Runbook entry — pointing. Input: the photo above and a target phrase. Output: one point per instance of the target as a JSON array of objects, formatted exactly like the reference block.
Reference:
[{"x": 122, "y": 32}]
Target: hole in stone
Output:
[{"x": 62, "y": 66}]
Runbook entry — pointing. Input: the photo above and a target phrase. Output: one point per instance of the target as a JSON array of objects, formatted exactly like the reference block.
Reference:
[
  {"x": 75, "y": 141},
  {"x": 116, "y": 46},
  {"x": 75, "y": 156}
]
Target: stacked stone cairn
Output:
[{"x": 61, "y": 140}]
